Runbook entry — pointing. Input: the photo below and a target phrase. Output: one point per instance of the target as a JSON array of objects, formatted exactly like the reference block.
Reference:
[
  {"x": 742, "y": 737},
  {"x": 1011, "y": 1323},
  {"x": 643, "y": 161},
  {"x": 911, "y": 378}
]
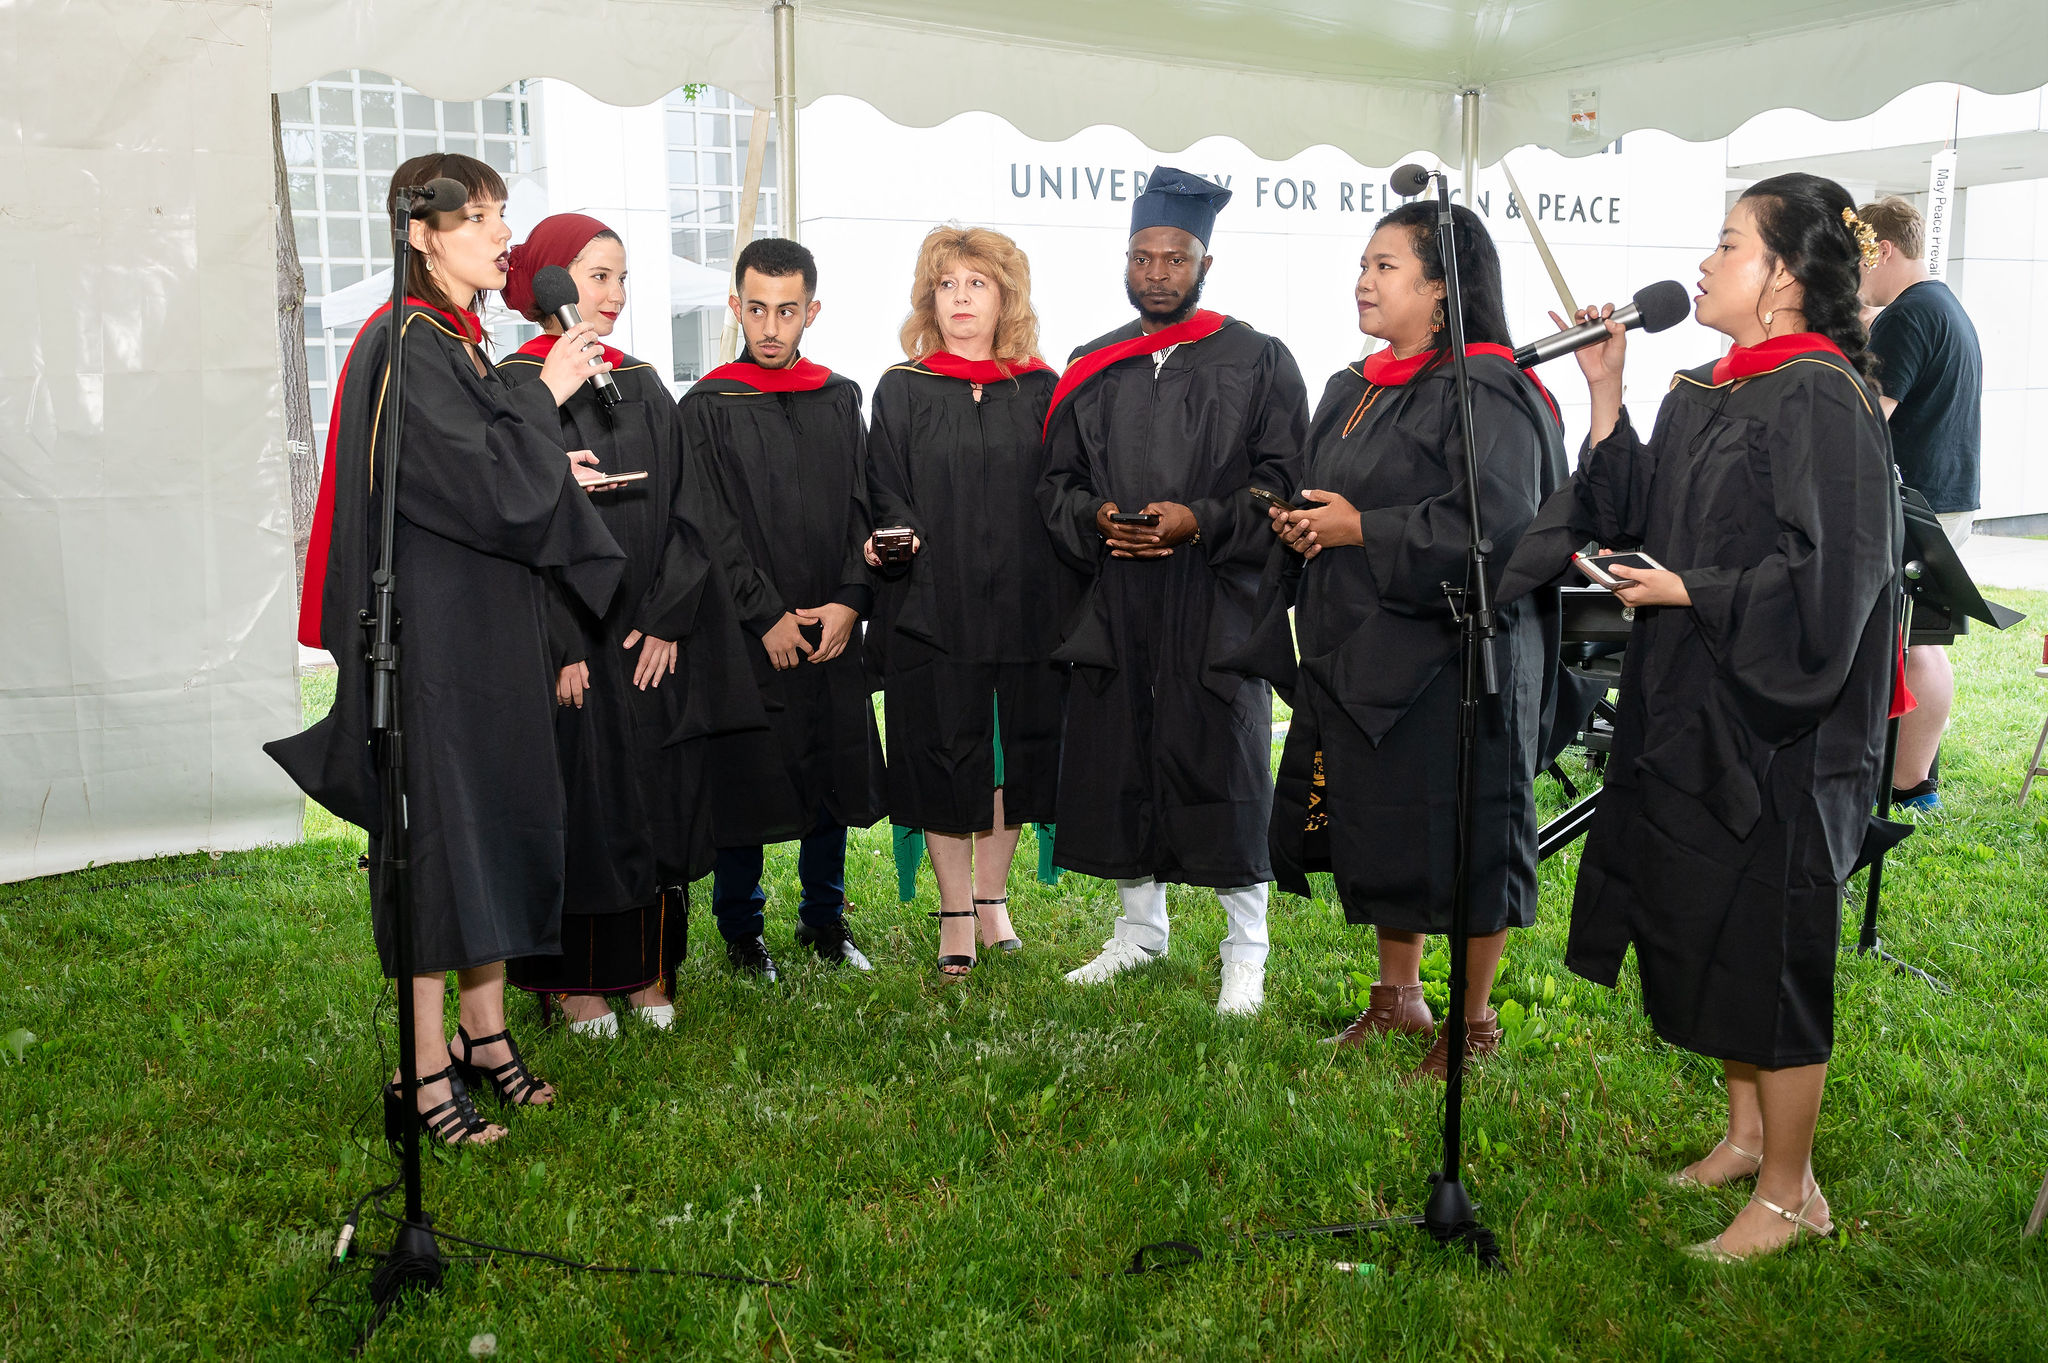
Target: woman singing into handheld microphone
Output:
[
  {"x": 1368, "y": 780},
  {"x": 488, "y": 502},
  {"x": 627, "y": 717},
  {"x": 1754, "y": 692}
]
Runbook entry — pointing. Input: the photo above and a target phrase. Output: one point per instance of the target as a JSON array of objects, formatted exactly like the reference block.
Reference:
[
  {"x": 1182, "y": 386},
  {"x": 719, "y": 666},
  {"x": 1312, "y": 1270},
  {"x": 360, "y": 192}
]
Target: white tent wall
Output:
[{"x": 145, "y": 536}]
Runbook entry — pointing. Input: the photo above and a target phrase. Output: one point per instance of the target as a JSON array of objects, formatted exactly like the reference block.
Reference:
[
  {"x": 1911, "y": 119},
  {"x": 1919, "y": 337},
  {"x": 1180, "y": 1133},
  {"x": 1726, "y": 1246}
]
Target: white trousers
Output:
[{"x": 1144, "y": 919}]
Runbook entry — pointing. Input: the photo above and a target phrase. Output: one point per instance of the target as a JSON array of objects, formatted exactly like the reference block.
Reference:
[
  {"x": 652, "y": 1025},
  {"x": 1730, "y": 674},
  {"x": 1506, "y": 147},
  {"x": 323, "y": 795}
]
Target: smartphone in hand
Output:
[
  {"x": 1134, "y": 518},
  {"x": 1595, "y": 566},
  {"x": 1266, "y": 498}
]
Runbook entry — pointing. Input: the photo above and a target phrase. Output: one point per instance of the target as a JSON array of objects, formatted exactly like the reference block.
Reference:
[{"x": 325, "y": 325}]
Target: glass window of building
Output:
[
  {"x": 343, "y": 136},
  {"x": 707, "y": 167}
]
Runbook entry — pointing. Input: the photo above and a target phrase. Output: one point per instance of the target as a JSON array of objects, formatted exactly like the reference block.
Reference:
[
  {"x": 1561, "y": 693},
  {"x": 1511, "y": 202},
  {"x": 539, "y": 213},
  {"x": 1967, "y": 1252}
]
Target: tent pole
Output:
[
  {"x": 1468, "y": 108},
  {"x": 785, "y": 112}
]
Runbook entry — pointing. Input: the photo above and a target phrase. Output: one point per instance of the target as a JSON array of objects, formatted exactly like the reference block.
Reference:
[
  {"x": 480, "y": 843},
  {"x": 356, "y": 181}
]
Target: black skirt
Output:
[
  {"x": 943, "y": 719},
  {"x": 1383, "y": 820},
  {"x": 612, "y": 953}
]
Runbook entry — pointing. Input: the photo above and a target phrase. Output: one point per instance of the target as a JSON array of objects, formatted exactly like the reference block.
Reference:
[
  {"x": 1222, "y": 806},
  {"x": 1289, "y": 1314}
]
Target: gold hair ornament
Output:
[{"x": 1866, "y": 237}]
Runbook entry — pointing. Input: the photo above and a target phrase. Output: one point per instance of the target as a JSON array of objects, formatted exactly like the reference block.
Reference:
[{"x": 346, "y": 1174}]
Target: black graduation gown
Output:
[
  {"x": 1166, "y": 765},
  {"x": 632, "y": 759},
  {"x": 977, "y": 612},
  {"x": 1751, "y": 723},
  {"x": 487, "y": 504},
  {"x": 1379, "y": 678},
  {"x": 784, "y": 526}
]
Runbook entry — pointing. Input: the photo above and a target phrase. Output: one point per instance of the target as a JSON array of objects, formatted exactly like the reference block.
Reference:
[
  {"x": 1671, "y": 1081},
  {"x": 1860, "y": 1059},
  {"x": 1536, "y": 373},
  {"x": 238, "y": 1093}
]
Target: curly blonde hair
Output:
[{"x": 991, "y": 254}]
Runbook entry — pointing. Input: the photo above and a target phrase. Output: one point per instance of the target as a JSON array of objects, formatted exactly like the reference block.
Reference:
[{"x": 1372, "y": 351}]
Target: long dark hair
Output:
[
  {"x": 1486, "y": 316},
  {"x": 1800, "y": 219},
  {"x": 482, "y": 182}
]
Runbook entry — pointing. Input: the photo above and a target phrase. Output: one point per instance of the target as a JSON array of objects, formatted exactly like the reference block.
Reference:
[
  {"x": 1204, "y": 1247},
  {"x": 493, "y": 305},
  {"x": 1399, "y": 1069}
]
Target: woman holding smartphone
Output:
[
  {"x": 629, "y": 721},
  {"x": 1758, "y": 673},
  {"x": 1367, "y": 787},
  {"x": 490, "y": 507},
  {"x": 967, "y": 619}
]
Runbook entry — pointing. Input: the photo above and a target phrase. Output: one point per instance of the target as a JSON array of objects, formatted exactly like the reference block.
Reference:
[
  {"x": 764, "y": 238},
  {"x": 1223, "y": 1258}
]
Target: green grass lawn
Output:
[{"x": 957, "y": 1171}]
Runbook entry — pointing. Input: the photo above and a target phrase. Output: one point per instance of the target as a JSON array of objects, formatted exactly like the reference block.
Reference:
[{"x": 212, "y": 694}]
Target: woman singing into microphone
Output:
[
  {"x": 1367, "y": 786},
  {"x": 488, "y": 503},
  {"x": 1754, "y": 693},
  {"x": 627, "y": 723}
]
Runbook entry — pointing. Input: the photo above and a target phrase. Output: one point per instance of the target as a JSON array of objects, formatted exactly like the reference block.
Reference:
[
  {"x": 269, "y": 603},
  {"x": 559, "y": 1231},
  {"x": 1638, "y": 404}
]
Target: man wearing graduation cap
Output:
[{"x": 1166, "y": 772}]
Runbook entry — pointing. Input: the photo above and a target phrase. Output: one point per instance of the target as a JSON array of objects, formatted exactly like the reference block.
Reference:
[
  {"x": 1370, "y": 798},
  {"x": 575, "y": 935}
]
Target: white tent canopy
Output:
[
  {"x": 141, "y": 434},
  {"x": 1375, "y": 78}
]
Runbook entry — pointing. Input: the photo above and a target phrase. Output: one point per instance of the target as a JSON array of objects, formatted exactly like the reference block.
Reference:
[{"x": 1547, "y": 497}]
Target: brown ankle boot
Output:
[
  {"x": 1391, "y": 1008},
  {"x": 1481, "y": 1038}
]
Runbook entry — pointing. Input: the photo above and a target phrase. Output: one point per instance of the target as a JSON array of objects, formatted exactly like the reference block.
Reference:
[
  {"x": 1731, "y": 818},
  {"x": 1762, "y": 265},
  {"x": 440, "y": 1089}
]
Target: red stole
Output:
[
  {"x": 540, "y": 345},
  {"x": 983, "y": 372},
  {"x": 322, "y": 533},
  {"x": 1383, "y": 369},
  {"x": 1748, "y": 361},
  {"x": 801, "y": 377},
  {"x": 1202, "y": 324}
]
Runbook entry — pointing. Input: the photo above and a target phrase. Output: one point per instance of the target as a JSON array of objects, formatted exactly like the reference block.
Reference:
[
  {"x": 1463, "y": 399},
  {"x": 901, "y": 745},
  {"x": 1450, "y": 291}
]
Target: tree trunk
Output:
[{"x": 291, "y": 349}]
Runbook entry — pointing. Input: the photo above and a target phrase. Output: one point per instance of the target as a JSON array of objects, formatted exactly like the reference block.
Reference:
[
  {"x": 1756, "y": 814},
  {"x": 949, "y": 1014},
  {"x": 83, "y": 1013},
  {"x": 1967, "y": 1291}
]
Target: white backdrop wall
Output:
[
  {"x": 1285, "y": 260},
  {"x": 145, "y": 536}
]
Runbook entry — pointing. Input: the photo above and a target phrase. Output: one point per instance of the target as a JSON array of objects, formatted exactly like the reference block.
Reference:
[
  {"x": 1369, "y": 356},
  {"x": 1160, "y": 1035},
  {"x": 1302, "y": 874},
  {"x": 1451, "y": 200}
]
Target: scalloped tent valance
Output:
[{"x": 1374, "y": 78}]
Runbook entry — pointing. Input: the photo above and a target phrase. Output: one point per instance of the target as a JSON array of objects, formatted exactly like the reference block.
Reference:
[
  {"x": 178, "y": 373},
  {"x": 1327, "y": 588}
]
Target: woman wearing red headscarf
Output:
[{"x": 632, "y": 698}]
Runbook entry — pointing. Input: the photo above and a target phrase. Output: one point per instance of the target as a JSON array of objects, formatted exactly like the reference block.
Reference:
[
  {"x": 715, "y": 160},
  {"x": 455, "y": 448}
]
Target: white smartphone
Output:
[{"x": 1595, "y": 566}]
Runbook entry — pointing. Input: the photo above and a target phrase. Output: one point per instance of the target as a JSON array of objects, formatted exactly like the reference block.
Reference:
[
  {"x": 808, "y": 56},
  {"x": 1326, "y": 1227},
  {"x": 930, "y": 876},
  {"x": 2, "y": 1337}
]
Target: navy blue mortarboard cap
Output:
[{"x": 1174, "y": 198}]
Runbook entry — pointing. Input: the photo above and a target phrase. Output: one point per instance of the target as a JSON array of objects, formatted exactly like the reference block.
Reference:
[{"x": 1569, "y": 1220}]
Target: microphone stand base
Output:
[{"x": 1451, "y": 1220}]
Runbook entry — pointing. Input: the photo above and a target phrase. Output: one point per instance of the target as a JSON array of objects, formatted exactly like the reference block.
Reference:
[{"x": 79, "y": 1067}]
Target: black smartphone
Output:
[
  {"x": 1134, "y": 518},
  {"x": 1273, "y": 499}
]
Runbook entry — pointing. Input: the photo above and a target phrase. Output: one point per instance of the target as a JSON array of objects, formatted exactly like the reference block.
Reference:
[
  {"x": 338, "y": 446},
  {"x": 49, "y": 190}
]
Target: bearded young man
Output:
[{"x": 1156, "y": 433}]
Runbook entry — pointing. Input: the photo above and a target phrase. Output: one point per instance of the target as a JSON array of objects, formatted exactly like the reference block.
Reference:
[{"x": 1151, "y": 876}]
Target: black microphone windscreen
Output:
[
  {"x": 1663, "y": 305},
  {"x": 1409, "y": 180},
  {"x": 554, "y": 289},
  {"x": 445, "y": 195}
]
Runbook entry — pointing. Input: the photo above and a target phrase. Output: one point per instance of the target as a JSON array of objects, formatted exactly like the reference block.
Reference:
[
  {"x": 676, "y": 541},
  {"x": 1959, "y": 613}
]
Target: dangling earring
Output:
[
  {"x": 1767, "y": 318},
  {"x": 1436, "y": 319},
  {"x": 430, "y": 270}
]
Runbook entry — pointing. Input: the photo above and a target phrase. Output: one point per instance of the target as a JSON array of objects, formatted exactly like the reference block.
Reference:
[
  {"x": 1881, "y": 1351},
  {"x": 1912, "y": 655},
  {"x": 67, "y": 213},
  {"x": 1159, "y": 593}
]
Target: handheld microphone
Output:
[
  {"x": 441, "y": 195},
  {"x": 555, "y": 293},
  {"x": 1660, "y": 306}
]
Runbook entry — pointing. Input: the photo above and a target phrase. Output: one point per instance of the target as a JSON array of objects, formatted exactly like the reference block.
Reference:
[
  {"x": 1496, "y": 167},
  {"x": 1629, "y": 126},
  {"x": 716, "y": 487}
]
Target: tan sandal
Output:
[
  {"x": 1711, "y": 1251},
  {"x": 1685, "y": 1178}
]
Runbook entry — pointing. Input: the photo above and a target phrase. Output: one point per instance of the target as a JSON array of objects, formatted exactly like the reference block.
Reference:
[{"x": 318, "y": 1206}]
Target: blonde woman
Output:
[{"x": 968, "y": 614}]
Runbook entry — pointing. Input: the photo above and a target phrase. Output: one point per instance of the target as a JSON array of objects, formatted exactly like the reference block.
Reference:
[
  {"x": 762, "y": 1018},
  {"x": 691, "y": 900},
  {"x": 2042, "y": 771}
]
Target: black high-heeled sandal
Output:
[
  {"x": 454, "y": 1121},
  {"x": 1008, "y": 943},
  {"x": 945, "y": 961},
  {"x": 511, "y": 1081}
]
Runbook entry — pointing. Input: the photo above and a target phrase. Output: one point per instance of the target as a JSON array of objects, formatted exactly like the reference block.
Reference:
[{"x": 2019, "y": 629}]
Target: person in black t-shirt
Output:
[{"x": 1931, "y": 372}]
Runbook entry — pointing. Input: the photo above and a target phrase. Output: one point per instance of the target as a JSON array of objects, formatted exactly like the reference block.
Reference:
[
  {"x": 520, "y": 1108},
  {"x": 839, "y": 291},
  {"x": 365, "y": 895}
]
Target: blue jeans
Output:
[{"x": 737, "y": 896}]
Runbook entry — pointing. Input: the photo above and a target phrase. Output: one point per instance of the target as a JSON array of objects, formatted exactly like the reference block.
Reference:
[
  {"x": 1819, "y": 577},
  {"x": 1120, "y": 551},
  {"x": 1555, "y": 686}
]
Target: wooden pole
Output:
[{"x": 743, "y": 231}]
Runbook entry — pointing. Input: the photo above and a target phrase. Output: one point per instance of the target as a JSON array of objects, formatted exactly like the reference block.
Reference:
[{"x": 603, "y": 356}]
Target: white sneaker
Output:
[
  {"x": 604, "y": 1025},
  {"x": 1244, "y": 988},
  {"x": 1117, "y": 957},
  {"x": 661, "y": 1015}
]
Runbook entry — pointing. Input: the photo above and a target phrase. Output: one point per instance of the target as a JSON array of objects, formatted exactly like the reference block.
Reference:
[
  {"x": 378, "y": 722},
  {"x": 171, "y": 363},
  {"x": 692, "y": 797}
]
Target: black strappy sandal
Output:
[
  {"x": 511, "y": 1081},
  {"x": 1008, "y": 943},
  {"x": 454, "y": 1121},
  {"x": 945, "y": 961}
]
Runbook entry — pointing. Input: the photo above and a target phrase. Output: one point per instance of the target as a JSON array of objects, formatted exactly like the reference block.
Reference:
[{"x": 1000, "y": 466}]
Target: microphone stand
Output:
[
  {"x": 414, "y": 1260},
  {"x": 1450, "y": 1217}
]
